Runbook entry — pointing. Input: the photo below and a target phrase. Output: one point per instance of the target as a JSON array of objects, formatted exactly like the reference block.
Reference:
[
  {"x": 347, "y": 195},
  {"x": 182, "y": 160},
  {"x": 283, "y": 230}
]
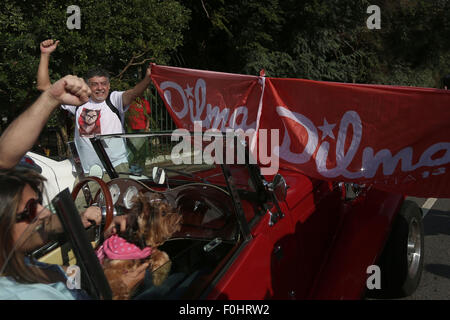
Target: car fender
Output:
[
  {"x": 58, "y": 174},
  {"x": 358, "y": 245}
]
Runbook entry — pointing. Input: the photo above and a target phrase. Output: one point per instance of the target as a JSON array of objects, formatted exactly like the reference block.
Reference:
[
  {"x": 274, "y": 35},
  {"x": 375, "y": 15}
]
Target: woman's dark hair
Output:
[{"x": 12, "y": 184}]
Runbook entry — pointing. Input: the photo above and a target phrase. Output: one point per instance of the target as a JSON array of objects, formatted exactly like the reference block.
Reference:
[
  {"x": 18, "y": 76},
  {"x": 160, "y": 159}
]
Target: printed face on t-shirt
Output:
[
  {"x": 90, "y": 117},
  {"x": 89, "y": 122}
]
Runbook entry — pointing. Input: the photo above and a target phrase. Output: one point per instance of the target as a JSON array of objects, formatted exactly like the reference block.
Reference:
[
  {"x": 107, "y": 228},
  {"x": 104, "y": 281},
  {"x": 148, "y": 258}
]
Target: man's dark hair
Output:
[
  {"x": 96, "y": 72},
  {"x": 446, "y": 81}
]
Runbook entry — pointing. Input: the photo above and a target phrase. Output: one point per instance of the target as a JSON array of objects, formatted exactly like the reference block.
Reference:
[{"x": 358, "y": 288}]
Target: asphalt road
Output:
[{"x": 435, "y": 282}]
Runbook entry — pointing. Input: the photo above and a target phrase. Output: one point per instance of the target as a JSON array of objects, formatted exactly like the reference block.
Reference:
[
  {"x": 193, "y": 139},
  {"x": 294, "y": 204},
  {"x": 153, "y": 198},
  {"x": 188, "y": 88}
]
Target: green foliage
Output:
[
  {"x": 322, "y": 40},
  {"x": 415, "y": 48},
  {"x": 120, "y": 36},
  {"x": 232, "y": 35}
]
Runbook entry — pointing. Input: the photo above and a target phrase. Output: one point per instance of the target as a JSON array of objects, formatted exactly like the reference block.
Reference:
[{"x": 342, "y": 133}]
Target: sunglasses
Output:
[{"x": 30, "y": 212}]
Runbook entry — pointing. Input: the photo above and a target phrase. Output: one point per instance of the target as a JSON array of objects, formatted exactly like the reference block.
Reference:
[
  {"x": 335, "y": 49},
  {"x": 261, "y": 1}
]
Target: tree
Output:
[
  {"x": 120, "y": 36},
  {"x": 321, "y": 40},
  {"x": 232, "y": 35},
  {"x": 414, "y": 43}
]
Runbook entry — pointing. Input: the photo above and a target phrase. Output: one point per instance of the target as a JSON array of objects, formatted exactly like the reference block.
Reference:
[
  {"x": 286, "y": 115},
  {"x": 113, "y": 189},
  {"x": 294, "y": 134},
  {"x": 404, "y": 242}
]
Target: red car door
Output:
[
  {"x": 282, "y": 260},
  {"x": 315, "y": 209},
  {"x": 265, "y": 268}
]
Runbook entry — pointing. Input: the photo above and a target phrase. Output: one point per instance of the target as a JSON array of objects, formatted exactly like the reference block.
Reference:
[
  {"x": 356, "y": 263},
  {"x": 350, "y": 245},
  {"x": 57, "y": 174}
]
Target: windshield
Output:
[
  {"x": 193, "y": 157},
  {"x": 193, "y": 171}
]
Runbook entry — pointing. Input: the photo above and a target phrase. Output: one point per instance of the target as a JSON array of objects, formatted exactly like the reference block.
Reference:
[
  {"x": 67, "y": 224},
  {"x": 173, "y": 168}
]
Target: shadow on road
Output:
[
  {"x": 441, "y": 270},
  {"x": 437, "y": 223}
]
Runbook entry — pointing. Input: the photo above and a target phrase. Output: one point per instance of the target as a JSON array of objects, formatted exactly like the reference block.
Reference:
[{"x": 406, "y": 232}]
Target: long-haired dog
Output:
[{"x": 151, "y": 221}]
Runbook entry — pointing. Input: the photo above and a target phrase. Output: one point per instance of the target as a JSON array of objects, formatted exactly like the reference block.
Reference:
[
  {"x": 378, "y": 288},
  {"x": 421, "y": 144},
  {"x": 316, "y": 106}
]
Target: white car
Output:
[{"x": 58, "y": 174}]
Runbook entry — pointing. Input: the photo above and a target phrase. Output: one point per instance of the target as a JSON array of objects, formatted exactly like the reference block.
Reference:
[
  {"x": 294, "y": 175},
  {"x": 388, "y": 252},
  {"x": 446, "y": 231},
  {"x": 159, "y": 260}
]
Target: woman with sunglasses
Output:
[
  {"x": 25, "y": 226},
  {"x": 20, "y": 207},
  {"x": 22, "y": 215}
]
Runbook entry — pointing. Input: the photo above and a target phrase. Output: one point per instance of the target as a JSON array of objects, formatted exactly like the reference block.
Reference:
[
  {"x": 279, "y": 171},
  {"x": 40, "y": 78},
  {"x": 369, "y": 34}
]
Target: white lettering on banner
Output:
[
  {"x": 370, "y": 162},
  {"x": 284, "y": 150},
  {"x": 168, "y": 96},
  {"x": 215, "y": 118},
  {"x": 343, "y": 159},
  {"x": 200, "y": 101},
  {"x": 213, "y": 153}
]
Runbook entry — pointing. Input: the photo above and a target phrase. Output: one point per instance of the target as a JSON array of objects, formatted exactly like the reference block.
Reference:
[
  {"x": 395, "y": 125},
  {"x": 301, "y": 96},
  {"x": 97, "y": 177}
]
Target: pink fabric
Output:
[{"x": 117, "y": 248}]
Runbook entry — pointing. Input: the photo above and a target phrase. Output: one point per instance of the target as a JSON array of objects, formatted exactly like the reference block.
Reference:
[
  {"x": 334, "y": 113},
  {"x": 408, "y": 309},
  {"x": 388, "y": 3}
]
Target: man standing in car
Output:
[{"x": 109, "y": 109}]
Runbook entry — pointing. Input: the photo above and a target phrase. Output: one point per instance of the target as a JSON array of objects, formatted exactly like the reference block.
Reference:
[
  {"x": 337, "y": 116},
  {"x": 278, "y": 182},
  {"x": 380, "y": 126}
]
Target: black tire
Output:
[{"x": 401, "y": 263}]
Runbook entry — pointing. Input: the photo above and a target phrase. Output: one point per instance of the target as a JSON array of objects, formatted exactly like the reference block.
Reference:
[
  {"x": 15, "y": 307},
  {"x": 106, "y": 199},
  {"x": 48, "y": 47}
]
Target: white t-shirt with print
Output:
[{"x": 95, "y": 118}]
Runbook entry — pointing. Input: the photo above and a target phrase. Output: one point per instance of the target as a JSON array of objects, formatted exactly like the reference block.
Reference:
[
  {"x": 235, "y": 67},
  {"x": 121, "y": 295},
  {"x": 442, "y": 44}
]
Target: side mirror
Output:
[
  {"x": 279, "y": 187},
  {"x": 96, "y": 171},
  {"x": 159, "y": 175},
  {"x": 350, "y": 191},
  {"x": 278, "y": 191}
]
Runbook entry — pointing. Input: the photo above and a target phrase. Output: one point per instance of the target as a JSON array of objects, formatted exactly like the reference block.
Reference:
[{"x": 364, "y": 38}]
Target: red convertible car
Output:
[{"x": 249, "y": 236}]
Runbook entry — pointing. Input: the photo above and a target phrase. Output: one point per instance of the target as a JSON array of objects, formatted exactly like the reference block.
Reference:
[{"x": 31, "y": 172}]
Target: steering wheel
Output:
[{"x": 106, "y": 195}]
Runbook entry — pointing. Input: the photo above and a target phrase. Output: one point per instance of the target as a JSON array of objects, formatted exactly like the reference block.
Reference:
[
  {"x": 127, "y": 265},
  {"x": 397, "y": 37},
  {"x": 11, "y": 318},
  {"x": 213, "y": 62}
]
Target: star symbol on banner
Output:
[
  {"x": 327, "y": 129},
  {"x": 188, "y": 91}
]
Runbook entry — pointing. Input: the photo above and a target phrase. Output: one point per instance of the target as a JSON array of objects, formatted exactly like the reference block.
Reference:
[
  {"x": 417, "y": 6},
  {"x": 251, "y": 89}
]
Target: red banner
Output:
[
  {"x": 394, "y": 138},
  {"x": 217, "y": 100}
]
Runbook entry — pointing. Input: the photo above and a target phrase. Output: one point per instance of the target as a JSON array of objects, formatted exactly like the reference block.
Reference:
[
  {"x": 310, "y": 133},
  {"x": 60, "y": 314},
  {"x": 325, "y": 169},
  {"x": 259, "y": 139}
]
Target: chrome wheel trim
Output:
[{"x": 414, "y": 247}]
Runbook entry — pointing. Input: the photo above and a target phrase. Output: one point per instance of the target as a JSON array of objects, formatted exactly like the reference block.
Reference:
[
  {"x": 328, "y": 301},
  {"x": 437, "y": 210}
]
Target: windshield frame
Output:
[
  {"x": 257, "y": 179},
  {"x": 98, "y": 286}
]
